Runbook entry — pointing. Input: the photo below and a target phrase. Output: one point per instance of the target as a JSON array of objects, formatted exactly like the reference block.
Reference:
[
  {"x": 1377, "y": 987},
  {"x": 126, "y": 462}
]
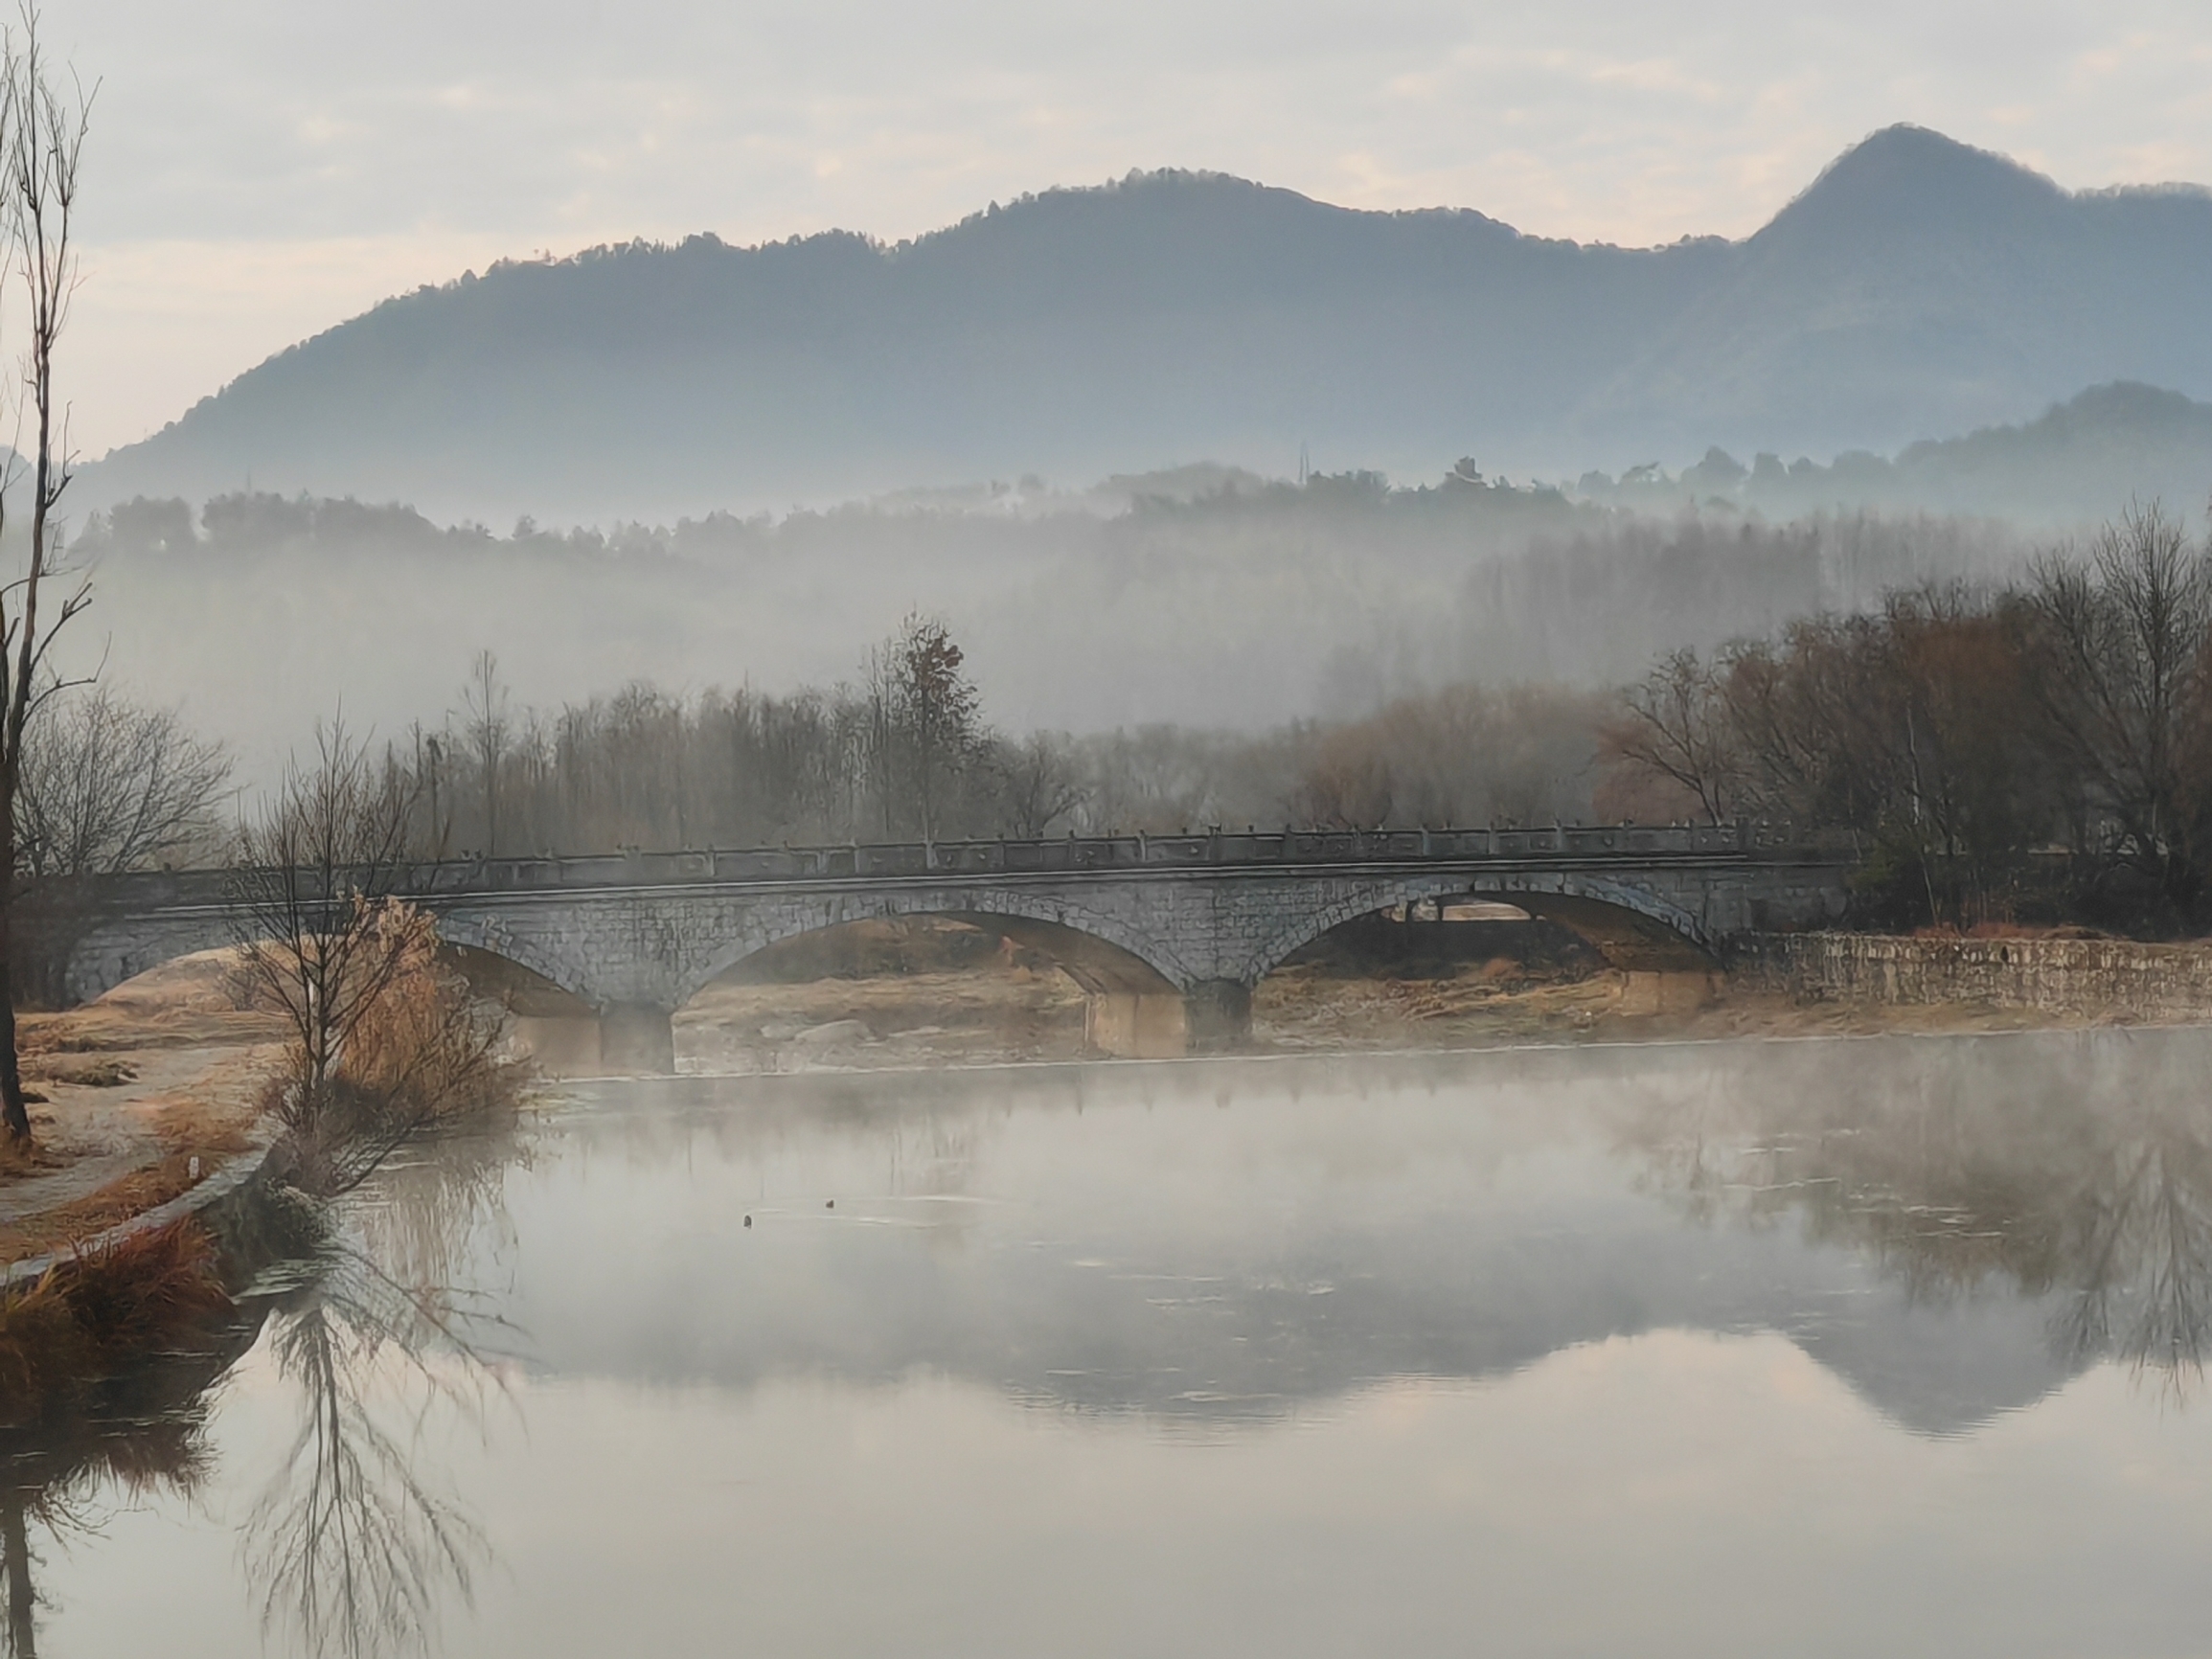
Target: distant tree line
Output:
[
  {"x": 1217, "y": 503},
  {"x": 2036, "y": 750},
  {"x": 903, "y": 752},
  {"x": 2065, "y": 466},
  {"x": 1200, "y": 594}
]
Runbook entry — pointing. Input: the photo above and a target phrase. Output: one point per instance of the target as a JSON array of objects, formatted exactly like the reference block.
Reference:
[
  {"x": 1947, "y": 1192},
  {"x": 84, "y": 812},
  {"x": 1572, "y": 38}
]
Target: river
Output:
[{"x": 1879, "y": 1346}]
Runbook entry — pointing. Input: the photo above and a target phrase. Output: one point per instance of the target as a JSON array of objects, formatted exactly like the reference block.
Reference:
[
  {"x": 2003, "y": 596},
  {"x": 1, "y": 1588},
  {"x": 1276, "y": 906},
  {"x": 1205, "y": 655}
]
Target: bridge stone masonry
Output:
[{"x": 1167, "y": 934}]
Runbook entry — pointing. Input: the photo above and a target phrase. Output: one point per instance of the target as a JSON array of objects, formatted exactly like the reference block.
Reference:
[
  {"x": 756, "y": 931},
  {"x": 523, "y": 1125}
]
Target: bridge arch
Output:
[
  {"x": 1669, "y": 935},
  {"x": 1129, "y": 1007},
  {"x": 549, "y": 957},
  {"x": 109, "y": 953},
  {"x": 1102, "y": 952}
]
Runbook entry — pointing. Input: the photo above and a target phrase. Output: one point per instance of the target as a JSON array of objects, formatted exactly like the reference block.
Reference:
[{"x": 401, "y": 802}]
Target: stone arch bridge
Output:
[{"x": 1183, "y": 923}]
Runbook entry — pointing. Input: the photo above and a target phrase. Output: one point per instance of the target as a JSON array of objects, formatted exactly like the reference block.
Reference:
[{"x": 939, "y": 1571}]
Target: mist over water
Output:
[{"x": 1582, "y": 1350}]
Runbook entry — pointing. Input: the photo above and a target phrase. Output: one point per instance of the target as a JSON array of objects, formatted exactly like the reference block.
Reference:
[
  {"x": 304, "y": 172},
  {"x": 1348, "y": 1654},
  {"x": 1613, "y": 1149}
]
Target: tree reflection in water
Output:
[
  {"x": 2099, "y": 1201},
  {"x": 2144, "y": 1244},
  {"x": 350, "y": 1548},
  {"x": 65, "y": 1471}
]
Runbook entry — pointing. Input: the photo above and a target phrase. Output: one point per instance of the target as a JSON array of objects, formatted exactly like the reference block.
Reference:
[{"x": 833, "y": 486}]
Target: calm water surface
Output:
[{"x": 1878, "y": 1347}]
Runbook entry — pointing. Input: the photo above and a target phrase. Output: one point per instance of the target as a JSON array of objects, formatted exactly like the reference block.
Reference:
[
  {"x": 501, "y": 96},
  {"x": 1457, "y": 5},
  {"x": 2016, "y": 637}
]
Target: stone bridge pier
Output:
[{"x": 1167, "y": 936}]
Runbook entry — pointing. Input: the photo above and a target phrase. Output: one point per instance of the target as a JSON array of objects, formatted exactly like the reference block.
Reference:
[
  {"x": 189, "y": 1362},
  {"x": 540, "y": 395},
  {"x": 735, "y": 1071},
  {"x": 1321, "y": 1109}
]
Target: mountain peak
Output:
[
  {"x": 1918, "y": 285},
  {"x": 1907, "y": 177}
]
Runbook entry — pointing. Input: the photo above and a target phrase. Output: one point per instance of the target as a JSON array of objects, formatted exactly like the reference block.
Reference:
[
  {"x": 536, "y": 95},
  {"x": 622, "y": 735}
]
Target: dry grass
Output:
[
  {"x": 67, "y": 1328},
  {"x": 427, "y": 1041},
  {"x": 109, "y": 1205},
  {"x": 1307, "y": 1007},
  {"x": 920, "y": 1018},
  {"x": 148, "y": 1286},
  {"x": 103, "y": 1073},
  {"x": 1303, "y": 1012},
  {"x": 134, "y": 1098},
  {"x": 424, "y": 1052},
  {"x": 183, "y": 1004},
  {"x": 17, "y": 1159}
]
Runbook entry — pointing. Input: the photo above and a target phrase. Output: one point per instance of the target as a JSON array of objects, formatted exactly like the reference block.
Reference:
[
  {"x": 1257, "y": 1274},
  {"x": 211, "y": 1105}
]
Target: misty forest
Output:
[{"x": 1963, "y": 701}]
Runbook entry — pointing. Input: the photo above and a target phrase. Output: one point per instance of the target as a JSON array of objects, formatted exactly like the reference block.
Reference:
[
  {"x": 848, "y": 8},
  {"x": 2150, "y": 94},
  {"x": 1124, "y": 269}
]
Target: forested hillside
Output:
[{"x": 1918, "y": 288}]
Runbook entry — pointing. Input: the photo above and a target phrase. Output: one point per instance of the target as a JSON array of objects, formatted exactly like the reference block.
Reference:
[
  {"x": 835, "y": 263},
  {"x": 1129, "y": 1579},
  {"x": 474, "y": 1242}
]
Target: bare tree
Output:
[
  {"x": 485, "y": 706},
  {"x": 314, "y": 868},
  {"x": 430, "y": 760},
  {"x": 2122, "y": 672},
  {"x": 1676, "y": 726},
  {"x": 1040, "y": 787},
  {"x": 43, "y": 131},
  {"x": 878, "y": 749},
  {"x": 108, "y": 786}
]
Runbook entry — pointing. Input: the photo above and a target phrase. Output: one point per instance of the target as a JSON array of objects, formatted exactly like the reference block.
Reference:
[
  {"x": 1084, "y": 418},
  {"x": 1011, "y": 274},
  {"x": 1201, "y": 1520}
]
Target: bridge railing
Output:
[
  {"x": 1056, "y": 856},
  {"x": 1079, "y": 853}
]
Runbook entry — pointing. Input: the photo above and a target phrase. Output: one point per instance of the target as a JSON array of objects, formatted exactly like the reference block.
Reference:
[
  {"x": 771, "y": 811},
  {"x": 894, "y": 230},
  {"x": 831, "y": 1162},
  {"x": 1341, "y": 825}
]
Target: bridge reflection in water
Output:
[{"x": 1167, "y": 935}]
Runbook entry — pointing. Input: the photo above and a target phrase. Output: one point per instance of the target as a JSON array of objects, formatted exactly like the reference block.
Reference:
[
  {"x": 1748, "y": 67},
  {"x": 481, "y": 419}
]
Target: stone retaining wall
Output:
[
  {"x": 2163, "y": 982},
  {"x": 224, "y": 1185}
]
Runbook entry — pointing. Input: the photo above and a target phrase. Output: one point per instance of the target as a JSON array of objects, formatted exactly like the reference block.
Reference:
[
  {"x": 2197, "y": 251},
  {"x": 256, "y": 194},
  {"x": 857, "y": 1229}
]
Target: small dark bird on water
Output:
[
  {"x": 831, "y": 1204},
  {"x": 748, "y": 1221}
]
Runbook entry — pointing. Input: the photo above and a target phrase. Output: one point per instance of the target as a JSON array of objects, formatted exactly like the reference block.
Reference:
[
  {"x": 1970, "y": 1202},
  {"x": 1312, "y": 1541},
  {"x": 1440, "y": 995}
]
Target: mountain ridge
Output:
[{"x": 1916, "y": 287}]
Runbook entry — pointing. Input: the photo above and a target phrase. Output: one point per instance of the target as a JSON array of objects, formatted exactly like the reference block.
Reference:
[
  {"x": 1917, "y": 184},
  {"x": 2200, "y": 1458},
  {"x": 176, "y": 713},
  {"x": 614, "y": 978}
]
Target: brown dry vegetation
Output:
[
  {"x": 83, "y": 1070},
  {"x": 161, "y": 1071},
  {"x": 1299, "y": 1009},
  {"x": 2038, "y": 752},
  {"x": 419, "y": 1049},
  {"x": 187, "y": 1003},
  {"x": 70, "y": 1325}
]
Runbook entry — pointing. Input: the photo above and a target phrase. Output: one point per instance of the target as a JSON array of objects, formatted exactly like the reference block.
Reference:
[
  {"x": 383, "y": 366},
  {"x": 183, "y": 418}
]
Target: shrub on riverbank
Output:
[{"x": 424, "y": 1052}]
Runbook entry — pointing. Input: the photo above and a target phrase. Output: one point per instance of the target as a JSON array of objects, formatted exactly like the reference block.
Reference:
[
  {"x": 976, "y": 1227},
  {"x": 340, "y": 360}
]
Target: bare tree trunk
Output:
[
  {"x": 15, "y": 1562},
  {"x": 44, "y": 140},
  {"x": 14, "y": 1110}
]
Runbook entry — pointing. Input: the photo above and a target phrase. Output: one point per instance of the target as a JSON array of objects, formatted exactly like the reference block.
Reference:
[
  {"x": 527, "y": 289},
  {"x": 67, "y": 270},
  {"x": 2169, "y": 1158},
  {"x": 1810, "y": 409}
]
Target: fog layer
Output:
[{"x": 1232, "y": 604}]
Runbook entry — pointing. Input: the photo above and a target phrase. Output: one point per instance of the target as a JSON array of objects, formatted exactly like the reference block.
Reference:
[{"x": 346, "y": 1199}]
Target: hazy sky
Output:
[{"x": 262, "y": 169}]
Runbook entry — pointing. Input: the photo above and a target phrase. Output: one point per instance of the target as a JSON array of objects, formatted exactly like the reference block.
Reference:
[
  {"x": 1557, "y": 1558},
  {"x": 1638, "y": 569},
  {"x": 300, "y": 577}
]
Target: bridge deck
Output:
[
  {"x": 1077, "y": 855},
  {"x": 1201, "y": 916}
]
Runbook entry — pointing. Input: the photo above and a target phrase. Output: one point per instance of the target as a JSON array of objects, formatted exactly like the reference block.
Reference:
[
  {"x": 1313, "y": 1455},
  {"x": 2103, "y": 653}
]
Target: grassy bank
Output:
[{"x": 95, "y": 1311}]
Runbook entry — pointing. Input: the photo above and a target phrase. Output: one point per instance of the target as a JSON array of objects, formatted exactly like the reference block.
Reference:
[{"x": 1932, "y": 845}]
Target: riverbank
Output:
[
  {"x": 143, "y": 1096},
  {"x": 907, "y": 1006},
  {"x": 2062, "y": 975},
  {"x": 155, "y": 1088}
]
